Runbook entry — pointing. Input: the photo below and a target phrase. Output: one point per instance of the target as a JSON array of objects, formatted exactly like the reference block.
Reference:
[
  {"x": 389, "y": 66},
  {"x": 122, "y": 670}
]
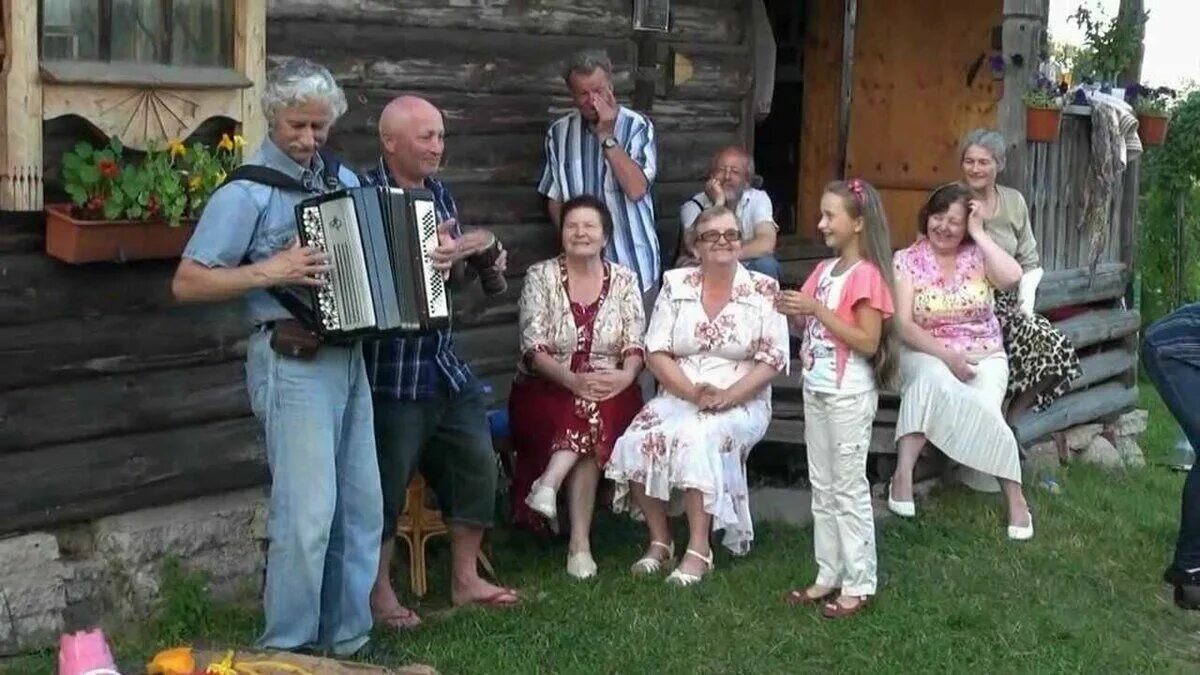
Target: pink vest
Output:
[{"x": 865, "y": 283}]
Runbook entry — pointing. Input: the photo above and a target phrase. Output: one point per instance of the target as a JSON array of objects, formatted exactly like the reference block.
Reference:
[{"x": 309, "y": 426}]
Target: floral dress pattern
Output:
[
  {"x": 958, "y": 312},
  {"x": 671, "y": 445},
  {"x": 545, "y": 417}
]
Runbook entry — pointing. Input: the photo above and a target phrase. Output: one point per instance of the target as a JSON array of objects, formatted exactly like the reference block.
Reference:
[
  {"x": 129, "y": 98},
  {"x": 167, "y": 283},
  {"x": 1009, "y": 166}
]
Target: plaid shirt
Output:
[{"x": 408, "y": 368}]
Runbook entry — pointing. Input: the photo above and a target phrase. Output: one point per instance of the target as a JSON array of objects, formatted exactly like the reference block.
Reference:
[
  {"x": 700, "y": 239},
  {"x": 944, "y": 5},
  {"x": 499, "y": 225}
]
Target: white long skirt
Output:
[
  {"x": 962, "y": 419},
  {"x": 671, "y": 446}
]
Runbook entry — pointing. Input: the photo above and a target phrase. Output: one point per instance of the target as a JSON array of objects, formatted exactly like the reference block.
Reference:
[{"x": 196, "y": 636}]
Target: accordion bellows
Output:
[{"x": 381, "y": 281}]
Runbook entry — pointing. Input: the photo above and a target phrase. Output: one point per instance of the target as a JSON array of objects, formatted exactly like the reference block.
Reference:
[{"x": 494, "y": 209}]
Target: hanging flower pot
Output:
[
  {"x": 1152, "y": 129},
  {"x": 1042, "y": 124},
  {"x": 1153, "y": 108}
]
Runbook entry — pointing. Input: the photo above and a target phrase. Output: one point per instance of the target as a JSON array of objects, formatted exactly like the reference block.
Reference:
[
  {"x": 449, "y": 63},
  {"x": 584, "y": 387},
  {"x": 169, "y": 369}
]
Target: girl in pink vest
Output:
[{"x": 841, "y": 312}]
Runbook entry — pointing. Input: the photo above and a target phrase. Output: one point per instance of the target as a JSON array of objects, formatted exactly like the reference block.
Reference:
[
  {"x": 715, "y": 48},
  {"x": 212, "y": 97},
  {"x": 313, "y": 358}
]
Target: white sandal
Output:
[
  {"x": 649, "y": 565},
  {"x": 543, "y": 500},
  {"x": 683, "y": 578}
]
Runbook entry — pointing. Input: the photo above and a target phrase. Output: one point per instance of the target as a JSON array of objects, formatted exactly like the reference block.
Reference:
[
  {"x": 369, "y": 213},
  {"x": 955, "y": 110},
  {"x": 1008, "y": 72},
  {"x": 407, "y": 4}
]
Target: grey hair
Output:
[
  {"x": 585, "y": 62},
  {"x": 738, "y": 150},
  {"x": 691, "y": 234},
  {"x": 988, "y": 139},
  {"x": 297, "y": 81}
]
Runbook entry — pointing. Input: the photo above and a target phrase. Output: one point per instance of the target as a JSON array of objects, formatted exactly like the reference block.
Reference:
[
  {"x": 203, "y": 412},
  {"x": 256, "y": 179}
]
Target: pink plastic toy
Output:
[{"x": 85, "y": 653}]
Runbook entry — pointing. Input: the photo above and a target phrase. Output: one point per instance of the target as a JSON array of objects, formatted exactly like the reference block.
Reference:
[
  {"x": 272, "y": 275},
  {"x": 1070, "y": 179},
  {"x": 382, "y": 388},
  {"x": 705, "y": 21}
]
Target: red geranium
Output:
[{"x": 108, "y": 168}]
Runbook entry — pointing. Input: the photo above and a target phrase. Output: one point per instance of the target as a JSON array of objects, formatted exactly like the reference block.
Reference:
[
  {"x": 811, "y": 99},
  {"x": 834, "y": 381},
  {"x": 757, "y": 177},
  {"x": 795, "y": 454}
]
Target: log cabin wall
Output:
[
  {"x": 496, "y": 72},
  {"x": 114, "y": 398}
]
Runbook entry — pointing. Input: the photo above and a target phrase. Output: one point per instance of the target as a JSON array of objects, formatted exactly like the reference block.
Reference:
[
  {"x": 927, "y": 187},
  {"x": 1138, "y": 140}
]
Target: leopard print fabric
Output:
[{"x": 1036, "y": 351}]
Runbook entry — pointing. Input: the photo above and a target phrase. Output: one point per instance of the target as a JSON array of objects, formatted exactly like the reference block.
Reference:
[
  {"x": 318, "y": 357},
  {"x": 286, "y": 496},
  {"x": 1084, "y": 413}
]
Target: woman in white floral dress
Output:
[{"x": 714, "y": 343}]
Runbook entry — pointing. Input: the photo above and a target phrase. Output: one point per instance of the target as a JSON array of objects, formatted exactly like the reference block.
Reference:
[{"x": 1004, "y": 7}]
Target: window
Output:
[{"x": 164, "y": 32}]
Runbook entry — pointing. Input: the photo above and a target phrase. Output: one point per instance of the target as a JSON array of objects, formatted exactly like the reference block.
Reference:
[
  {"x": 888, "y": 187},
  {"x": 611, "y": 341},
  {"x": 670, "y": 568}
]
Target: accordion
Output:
[{"x": 381, "y": 281}]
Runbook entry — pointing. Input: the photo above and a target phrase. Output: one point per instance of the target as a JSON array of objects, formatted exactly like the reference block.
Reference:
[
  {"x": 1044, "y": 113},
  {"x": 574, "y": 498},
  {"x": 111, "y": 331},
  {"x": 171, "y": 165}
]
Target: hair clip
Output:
[{"x": 856, "y": 186}]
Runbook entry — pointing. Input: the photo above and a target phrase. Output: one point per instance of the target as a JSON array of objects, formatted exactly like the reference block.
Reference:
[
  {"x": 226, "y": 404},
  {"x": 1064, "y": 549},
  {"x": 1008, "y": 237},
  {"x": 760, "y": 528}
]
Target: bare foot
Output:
[
  {"x": 849, "y": 601},
  {"x": 900, "y": 488},
  {"x": 1020, "y": 517},
  {"x": 387, "y": 610},
  {"x": 480, "y": 592},
  {"x": 808, "y": 596}
]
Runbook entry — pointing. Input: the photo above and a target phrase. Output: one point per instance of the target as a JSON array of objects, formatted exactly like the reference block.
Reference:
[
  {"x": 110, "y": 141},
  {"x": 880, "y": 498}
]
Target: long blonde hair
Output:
[{"x": 861, "y": 201}]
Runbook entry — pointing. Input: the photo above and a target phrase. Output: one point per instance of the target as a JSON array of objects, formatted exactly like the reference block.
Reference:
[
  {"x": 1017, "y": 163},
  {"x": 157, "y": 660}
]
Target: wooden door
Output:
[{"x": 914, "y": 97}]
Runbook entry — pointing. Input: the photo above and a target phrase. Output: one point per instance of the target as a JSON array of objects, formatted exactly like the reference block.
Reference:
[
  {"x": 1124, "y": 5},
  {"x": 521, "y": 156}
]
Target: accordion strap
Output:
[
  {"x": 275, "y": 178},
  {"x": 256, "y": 173}
]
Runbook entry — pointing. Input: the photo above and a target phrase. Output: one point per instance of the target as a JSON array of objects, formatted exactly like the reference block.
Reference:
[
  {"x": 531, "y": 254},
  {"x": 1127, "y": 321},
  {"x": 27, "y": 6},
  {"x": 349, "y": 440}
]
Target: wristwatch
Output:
[{"x": 609, "y": 143}]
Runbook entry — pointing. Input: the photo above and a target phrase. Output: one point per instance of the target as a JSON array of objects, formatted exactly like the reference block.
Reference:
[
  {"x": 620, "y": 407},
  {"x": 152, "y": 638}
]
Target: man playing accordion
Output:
[{"x": 325, "y": 503}]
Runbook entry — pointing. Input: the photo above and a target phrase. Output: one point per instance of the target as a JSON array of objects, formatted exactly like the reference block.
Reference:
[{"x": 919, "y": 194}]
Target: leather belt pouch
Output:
[{"x": 290, "y": 338}]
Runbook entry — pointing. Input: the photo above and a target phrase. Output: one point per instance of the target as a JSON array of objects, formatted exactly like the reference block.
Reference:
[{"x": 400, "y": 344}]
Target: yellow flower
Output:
[
  {"x": 220, "y": 177},
  {"x": 226, "y": 143},
  {"x": 238, "y": 141},
  {"x": 177, "y": 148},
  {"x": 194, "y": 183}
]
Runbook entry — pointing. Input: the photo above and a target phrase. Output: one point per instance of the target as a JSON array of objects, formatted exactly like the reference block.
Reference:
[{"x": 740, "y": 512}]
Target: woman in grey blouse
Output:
[{"x": 1042, "y": 360}]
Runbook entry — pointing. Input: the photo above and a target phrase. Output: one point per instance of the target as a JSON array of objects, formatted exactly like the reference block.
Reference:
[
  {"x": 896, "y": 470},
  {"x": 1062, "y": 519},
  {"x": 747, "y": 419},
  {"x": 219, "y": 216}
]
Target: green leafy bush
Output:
[{"x": 1171, "y": 180}]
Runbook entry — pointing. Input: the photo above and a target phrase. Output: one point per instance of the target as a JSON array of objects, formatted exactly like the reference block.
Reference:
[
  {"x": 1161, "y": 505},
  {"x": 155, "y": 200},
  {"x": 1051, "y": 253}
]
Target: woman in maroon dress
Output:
[{"x": 582, "y": 322}]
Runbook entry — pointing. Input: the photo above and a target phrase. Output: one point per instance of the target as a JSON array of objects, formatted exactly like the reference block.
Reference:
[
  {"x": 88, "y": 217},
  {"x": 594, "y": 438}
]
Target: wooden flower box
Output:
[{"x": 86, "y": 241}]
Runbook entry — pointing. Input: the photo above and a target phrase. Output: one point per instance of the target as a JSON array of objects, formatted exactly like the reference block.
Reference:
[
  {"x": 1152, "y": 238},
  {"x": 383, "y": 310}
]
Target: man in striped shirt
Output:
[
  {"x": 606, "y": 150},
  {"x": 430, "y": 411}
]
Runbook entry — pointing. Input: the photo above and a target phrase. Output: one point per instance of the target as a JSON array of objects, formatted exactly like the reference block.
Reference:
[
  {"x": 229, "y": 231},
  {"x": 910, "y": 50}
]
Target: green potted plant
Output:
[
  {"x": 1110, "y": 45},
  {"x": 1043, "y": 110},
  {"x": 123, "y": 210},
  {"x": 1152, "y": 106}
]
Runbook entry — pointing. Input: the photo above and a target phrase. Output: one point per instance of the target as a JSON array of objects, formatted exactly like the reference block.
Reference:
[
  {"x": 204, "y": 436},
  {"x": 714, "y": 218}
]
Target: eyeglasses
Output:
[{"x": 712, "y": 236}]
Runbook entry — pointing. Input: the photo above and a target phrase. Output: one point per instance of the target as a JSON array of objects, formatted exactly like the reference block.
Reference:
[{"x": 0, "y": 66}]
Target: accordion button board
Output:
[{"x": 381, "y": 280}]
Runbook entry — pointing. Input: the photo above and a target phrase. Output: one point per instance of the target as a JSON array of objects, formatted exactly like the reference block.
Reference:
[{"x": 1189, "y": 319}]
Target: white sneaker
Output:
[
  {"x": 543, "y": 499},
  {"x": 581, "y": 565}
]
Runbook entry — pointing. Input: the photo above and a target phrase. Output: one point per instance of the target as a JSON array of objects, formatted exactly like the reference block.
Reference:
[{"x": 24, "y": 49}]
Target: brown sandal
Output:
[
  {"x": 836, "y": 610},
  {"x": 799, "y": 597}
]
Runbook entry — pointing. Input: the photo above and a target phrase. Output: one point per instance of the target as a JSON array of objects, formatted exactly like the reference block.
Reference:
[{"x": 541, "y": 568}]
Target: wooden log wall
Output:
[
  {"x": 112, "y": 397},
  {"x": 496, "y": 72}
]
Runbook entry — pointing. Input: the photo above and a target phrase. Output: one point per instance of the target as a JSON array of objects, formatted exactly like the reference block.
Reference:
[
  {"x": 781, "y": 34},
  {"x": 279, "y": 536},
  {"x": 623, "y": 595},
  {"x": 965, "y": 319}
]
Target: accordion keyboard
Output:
[
  {"x": 436, "y": 298},
  {"x": 344, "y": 301}
]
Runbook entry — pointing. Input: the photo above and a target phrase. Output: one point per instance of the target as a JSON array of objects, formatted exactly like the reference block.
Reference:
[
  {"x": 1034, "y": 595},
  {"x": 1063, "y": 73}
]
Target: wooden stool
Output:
[{"x": 416, "y": 526}]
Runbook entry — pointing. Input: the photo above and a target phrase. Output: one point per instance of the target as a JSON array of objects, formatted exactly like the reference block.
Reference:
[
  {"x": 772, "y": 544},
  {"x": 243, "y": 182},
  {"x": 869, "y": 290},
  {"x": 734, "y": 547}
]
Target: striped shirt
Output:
[
  {"x": 408, "y": 368},
  {"x": 575, "y": 165}
]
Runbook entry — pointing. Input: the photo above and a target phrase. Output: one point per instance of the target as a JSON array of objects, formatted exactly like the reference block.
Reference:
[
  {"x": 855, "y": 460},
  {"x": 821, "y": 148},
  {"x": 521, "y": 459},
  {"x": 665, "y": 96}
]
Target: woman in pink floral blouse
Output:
[
  {"x": 715, "y": 342},
  {"x": 954, "y": 371},
  {"x": 582, "y": 321}
]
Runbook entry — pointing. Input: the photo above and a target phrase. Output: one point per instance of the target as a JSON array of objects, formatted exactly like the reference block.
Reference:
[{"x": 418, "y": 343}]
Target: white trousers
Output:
[{"x": 837, "y": 433}]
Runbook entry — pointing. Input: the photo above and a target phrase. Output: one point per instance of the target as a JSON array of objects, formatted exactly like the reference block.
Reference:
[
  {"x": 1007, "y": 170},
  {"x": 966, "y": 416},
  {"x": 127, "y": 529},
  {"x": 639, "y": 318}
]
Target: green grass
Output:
[{"x": 955, "y": 596}]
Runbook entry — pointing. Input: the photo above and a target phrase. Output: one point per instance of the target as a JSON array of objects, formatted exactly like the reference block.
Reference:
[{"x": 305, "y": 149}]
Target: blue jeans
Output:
[
  {"x": 1171, "y": 355},
  {"x": 766, "y": 264},
  {"x": 326, "y": 510}
]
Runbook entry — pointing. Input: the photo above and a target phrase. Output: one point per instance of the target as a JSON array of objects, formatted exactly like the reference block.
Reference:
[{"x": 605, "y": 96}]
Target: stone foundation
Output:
[
  {"x": 109, "y": 571},
  {"x": 1112, "y": 445}
]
